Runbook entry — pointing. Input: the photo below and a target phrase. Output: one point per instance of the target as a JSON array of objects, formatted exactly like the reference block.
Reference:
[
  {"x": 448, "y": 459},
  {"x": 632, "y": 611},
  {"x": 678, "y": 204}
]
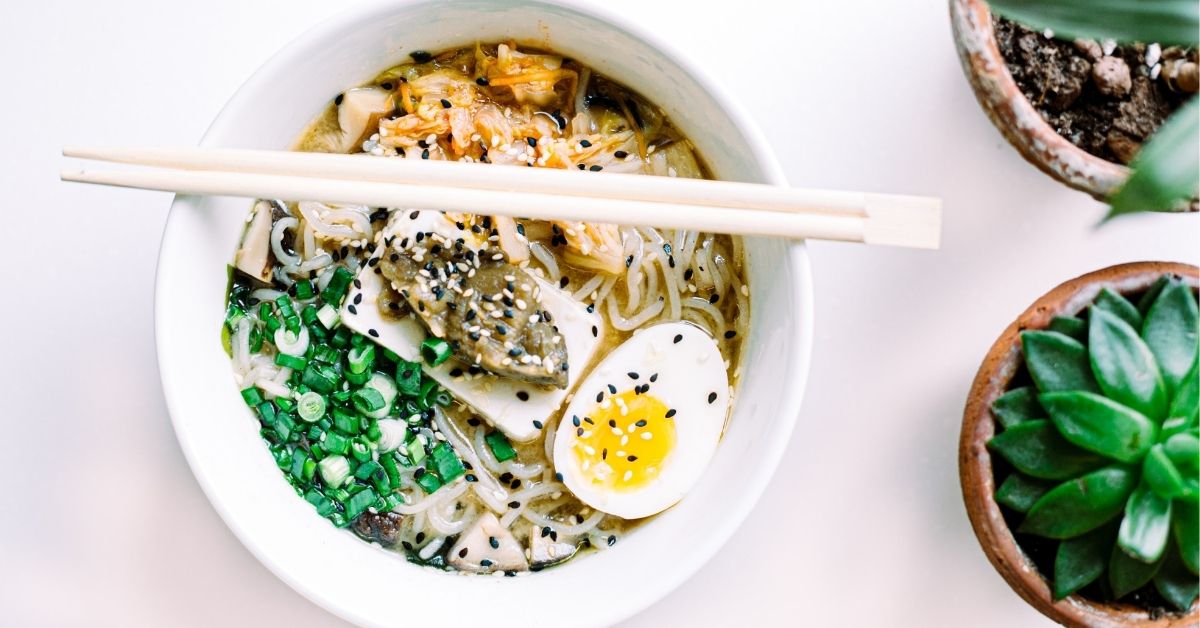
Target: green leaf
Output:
[
  {"x": 1165, "y": 21},
  {"x": 1185, "y": 523},
  {"x": 1114, "y": 303},
  {"x": 1016, "y": 406},
  {"x": 1057, "y": 362},
  {"x": 1124, "y": 366},
  {"x": 1148, "y": 297},
  {"x": 1175, "y": 583},
  {"x": 1100, "y": 425},
  {"x": 1165, "y": 169},
  {"x": 1080, "y": 505},
  {"x": 1020, "y": 492},
  {"x": 1127, "y": 574},
  {"x": 1081, "y": 560},
  {"x": 1184, "y": 449},
  {"x": 1162, "y": 475},
  {"x": 1171, "y": 331},
  {"x": 1069, "y": 326},
  {"x": 1146, "y": 526},
  {"x": 1036, "y": 449},
  {"x": 1186, "y": 404}
]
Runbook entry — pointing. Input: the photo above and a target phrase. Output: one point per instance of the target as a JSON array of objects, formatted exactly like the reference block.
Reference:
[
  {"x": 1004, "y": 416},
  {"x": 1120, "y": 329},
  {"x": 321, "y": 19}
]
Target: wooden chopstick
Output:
[{"x": 538, "y": 193}]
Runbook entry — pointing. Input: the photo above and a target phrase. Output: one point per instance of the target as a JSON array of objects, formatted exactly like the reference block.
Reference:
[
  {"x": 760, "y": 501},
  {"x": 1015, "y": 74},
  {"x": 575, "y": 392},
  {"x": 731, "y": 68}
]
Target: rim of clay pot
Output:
[
  {"x": 1002, "y": 362},
  {"x": 1015, "y": 116}
]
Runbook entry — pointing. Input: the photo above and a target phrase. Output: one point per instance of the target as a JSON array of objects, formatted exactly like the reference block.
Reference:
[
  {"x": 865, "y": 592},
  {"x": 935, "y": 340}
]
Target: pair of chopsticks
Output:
[{"x": 536, "y": 193}]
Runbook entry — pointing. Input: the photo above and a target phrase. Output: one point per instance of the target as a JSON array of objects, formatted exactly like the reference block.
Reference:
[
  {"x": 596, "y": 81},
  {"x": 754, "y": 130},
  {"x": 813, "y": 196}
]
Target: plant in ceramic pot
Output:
[
  {"x": 1081, "y": 448},
  {"x": 1085, "y": 88}
]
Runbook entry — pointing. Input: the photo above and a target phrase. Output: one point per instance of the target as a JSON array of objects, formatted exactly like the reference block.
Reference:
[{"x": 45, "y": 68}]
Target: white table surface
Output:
[{"x": 103, "y": 524}]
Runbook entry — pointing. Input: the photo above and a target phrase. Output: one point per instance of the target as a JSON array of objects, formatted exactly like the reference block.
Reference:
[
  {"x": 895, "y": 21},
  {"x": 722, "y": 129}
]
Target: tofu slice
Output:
[{"x": 511, "y": 406}]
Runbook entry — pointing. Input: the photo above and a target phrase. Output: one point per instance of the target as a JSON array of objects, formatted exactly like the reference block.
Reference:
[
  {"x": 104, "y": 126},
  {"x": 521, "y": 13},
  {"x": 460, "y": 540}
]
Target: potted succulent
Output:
[
  {"x": 1080, "y": 452},
  {"x": 1099, "y": 94}
]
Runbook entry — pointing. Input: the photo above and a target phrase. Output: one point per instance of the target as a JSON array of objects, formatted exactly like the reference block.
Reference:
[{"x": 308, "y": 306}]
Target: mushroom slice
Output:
[
  {"x": 487, "y": 546},
  {"x": 548, "y": 547},
  {"x": 254, "y": 255},
  {"x": 359, "y": 113}
]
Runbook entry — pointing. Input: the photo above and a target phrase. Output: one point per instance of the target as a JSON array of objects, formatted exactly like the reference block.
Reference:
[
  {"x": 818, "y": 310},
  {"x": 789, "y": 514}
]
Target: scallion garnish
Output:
[
  {"x": 435, "y": 351},
  {"x": 501, "y": 448},
  {"x": 310, "y": 406}
]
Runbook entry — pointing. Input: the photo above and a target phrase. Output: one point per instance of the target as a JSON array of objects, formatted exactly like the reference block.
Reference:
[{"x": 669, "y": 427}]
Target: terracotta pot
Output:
[
  {"x": 1003, "y": 361},
  {"x": 1016, "y": 117}
]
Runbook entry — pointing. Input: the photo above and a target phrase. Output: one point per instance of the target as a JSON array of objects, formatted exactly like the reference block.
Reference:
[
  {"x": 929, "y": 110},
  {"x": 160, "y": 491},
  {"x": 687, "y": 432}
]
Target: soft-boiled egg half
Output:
[{"x": 643, "y": 425}]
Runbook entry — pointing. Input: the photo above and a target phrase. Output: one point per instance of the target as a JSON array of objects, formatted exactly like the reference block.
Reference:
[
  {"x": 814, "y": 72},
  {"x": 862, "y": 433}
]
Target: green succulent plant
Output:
[
  {"x": 1105, "y": 444},
  {"x": 1166, "y": 172}
]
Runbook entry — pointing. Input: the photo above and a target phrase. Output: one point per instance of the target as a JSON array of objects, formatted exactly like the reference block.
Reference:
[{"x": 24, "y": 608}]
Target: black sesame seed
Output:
[
  {"x": 485, "y": 563},
  {"x": 600, "y": 396},
  {"x": 462, "y": 553},
  {"x": 522, "y": 395},
  {"x": 514, "y": 504},
  {"x": 653, "y": 378},
  {"x": 558, "y": 477},
  {"x": 357, "y": 283},
  {"x": 620, "y": 154},
  {"x": 337, "y": 100},
  {"x": 604, "y": 454},
  {"x": 678, "y": 337},
  {"x": 588, "y": 420},
  {"x": 595, "y": 168},
  {"x": 537, "y": 424},
  {"x": 545, "y": 531},
  {"x": 712, "y": 396},
  {"x": 373, "y": 333},
  {"x": 595, "y": 332},
  {"x": 470, "y": 477},
  {"x": 612, "y": 422},
  {"x": 670, "y": 413},
  {"x": 413, "y": 216},
  {"x": 508, "y": 313},
  {"x": 358, "y": 298},
  {"x": 628, "y": 261},
  {"x": 583, "y": 166},
  {"x": 612, "y": 540},
  {"x": 420, "y": 56},
  {"x": 408, "y": 546},
  {"x": 591, "y": 308},
  {"x": 514, "y": 485},
  {"x": 532, "y": 142},
  {"x": 506, "y": 477},
  {"x": 575, "y": 420},
  {"x": 585, "y": 143},
  {"x": 687, "y": 275},
  {"x": 671, "y": 261},
  {"x": 641, "y": 423},
  {"x": 612, "y": 389},
  {"x": 632, "y": 458},
  {"x": 562, "y": 282},
  {"x": 425, "y": 154},
  {"x": 633, "y": 375},
  {"x": 714, "y": 298},
  {"x": 579, "y": 432},
  {"x": 446, "y": 104},
  {"x": 387, "y": 86},
  {"x": 730, "y": 334},
  {"x": 494, "y": 542},
  {"x": 501, "y": 329},
  {"x": 352, "y": 309}
]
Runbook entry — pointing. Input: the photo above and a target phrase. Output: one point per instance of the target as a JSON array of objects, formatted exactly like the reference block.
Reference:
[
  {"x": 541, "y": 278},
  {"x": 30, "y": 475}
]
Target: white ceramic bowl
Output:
[{"x": 361, "y": 582}]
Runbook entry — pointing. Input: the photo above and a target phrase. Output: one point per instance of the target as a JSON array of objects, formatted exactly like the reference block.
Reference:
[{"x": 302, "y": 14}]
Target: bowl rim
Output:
[
  {"x": 795, "y": 255},
  {"x": 1015, "y": 117},
  {"x": 1001, "y": 363}
]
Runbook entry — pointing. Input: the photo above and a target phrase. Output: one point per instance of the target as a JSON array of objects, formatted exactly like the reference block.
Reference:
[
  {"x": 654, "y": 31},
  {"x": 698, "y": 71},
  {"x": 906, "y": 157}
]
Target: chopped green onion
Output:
[
  {"x": 391, "y": 469},
  {"x": 360, "y": 359},
  {"x": 323, "y": 504},
  {"x": 251, "y": 396},
  {"x": 320, "y": 378},
  {"x": 298, "y": 458},
  {"x": 366, "y": 469},
  {"x": 273, "y": 324},
  {"x": 367, "y": 400},
  {"x": 264, "y": 310},
  {"x": 337, "y": 287},
  {"x": 256, "y": 339},
  {"x": 386, "y": 388},
  {"x": 335, "y": 443},
  {"x": 286, "y": 405},
  {"x": 360, "y": 501},
  {"x": 442, "y": 398},
  {"x": 435, "y": 351},
  {"x": 341, "y": 337},
  {"x": 429, "y": 482},
  {"x": 309, "y": 314},
  {"x": 326, "y": 354},
  {"x": 501, "y": 448},
  {"x": 232, "y": 315},
  {"x": 266, "y": 410},
  {"x": 290, "y": 361},
  {"x": 408, "y": 378},
  {"x": 345, "y": 421},
  {"x": 328, "y": 316},
  {"x": 334, "y": 470},
  {"x": 427, "y": 393},
  {"x": 284, "y": 426},
  {"x": 373, "y": 431},
  {"x": 360, "y": 450},
  {"x": 449, "y": 467},
  {"x": 285, "y": 307},
  {"x": 416, "y": 451},
  {"x": 304, "y": 290},
  {"x": 311, "y": 406}
]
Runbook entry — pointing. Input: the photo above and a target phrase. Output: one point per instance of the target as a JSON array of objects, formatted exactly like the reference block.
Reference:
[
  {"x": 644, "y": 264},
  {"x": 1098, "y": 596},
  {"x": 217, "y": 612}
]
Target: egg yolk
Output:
[{"x": 622, "y": 444}]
